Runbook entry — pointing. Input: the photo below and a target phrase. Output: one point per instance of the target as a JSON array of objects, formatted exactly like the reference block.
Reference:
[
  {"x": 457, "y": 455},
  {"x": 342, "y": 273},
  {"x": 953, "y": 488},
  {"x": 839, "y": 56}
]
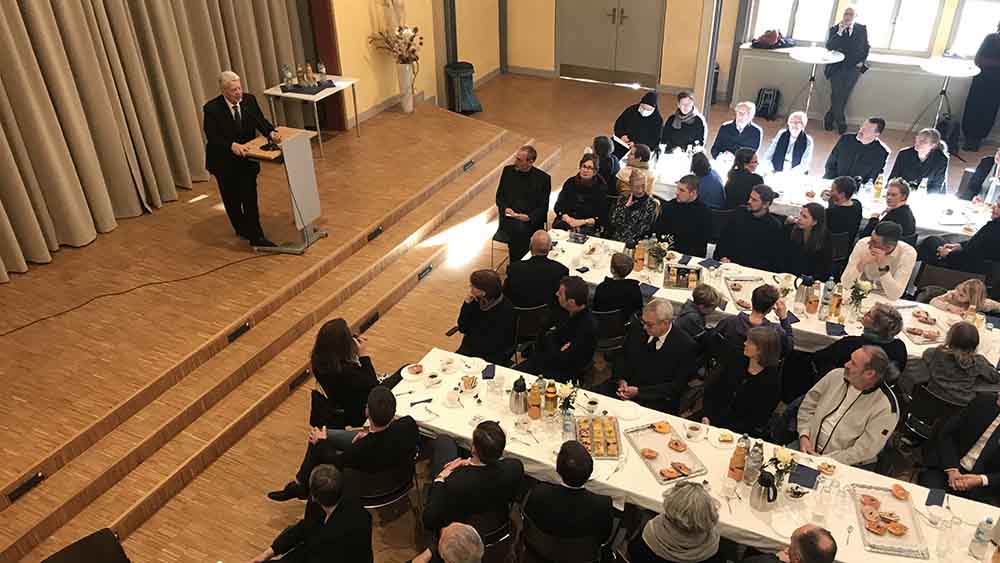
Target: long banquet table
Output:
[
  {"x": 629, "y": 481},
  {"x": 810, "y": 332}
]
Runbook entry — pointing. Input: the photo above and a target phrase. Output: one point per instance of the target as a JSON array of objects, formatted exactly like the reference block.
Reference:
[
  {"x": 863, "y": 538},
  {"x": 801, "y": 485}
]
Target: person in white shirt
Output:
[
  {"x": 791, "y": 150},
  {"x": 883, "y": 260},
  {"x": 965, "y": 459}
]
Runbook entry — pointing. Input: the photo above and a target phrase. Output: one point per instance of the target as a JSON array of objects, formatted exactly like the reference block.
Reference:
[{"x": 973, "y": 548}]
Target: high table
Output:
[
  {"x": 948, "y": 68},
  {"x": 340, "y": 83},
  {"x": 629, "y": 481},
  {"x": 814, "y": 56},
  {"x": 810, "y": 332}
]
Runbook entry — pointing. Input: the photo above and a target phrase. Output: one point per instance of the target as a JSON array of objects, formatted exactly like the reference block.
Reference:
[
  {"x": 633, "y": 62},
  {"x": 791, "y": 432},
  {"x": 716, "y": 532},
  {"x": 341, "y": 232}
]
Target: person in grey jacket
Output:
[
  {"x": 691, "y": 319},
  {"x": 850, "y": 413},
  {"x": 955, "y": 368}
]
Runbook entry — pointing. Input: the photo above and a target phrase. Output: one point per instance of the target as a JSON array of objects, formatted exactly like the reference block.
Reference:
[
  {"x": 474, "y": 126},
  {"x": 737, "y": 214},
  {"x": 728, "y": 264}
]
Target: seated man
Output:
[
  {"x": 564, "y": 352},
  {"x": 860, "y": 156},
  {"x": 843, "y": 212},
  {"x": 965, "y": 458},
  {"x": 809, "y": 544},
  {"x": 883, "y": 260},
  {"x": 569, "y": 510},
  {"x": 534, "y": 281},
  {"x": 751, "y": 237},
  {"x": 486, "y": 320},
  {"x": 739, "y": 133},
  {"x": 459, "y": 543},
  {"x": 791, "y": 150},
  {"x": 763, "y": 300},
  {"x": 704, "y": 300},
  {"x": 386, "y": 444},
  {"x": 335, "y": 527},
  {"x": 656, "y": 363},
  {"x": 987, "y": 175},
  {"x": 850, "y": 413},
  {"x": 970, "y": 255},
  {"x": 473, "y": 490},
  {"x": 686, "y": 219},
  {"x": 522, "y": 200},
  {"x": 619, "y": 293}
]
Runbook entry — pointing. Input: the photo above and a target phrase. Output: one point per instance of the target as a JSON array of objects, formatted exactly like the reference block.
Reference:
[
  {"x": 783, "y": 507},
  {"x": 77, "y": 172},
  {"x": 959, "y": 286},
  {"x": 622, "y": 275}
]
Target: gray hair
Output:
[
  {"x": 750, "y": 106},
  {"x": 689, "y": 508},
  {"x": 530, "y": 151},
  {"x": 801, "y": 115},
  {"x": 460, "y": 543},
  {"x": 885, "y": 320},
  {"x": 879, "y": 362},
  {"x": 662, "y": 308},
  {"x": 227, "y": 76}
]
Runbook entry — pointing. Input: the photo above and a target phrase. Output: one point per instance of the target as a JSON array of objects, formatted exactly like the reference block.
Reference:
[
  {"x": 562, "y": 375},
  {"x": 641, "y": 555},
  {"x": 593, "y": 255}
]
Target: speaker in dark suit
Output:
[
  {"x": 231, "y": 120},
  {"x": 965, "y": 457},
  {"x": 851, "y": 39}
]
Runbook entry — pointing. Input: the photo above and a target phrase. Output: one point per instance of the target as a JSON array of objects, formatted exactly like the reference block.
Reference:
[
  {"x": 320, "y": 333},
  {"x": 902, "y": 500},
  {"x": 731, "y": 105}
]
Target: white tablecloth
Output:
[
  {"x": 810, "y": 332},
  {"x": 634, "y": 484}
]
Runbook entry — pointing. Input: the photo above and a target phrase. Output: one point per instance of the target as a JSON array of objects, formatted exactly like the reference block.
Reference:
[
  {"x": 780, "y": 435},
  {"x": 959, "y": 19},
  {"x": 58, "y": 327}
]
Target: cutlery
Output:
[
  {"x": 850, "y": 529},
  {"x": 420, "y": 402},
  {"x": 404, "y": 393},
  {"x": 729, "y": 503},
  {"x": 428, "y": 409}
]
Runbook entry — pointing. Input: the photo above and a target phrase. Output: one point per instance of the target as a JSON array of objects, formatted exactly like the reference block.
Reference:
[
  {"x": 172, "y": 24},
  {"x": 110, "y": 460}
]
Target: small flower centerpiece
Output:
[
  {"x": 781, "y": 465},
  {"x": 657, "y": 253},
  {"x": 859, "y": 291}
]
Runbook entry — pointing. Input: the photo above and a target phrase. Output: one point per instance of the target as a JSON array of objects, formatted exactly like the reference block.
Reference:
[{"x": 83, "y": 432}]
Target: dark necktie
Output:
[{"x": 237, "y": 117}]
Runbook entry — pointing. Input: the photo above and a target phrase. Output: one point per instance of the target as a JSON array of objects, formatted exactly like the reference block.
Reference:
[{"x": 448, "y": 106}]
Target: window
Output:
[
  {"x": 804, "y": 20},
  {"x": 975, "y": 20},
  {"x": 899, "y": 25}
]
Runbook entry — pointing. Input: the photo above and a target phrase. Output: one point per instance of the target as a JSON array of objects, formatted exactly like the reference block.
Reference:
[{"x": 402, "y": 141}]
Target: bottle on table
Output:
[
  {"x": 970, "y": 314},
  {"x": 310, "y": 77},
  {"x": 551, "y": 397},
  {"x": 836, "y": 300},
  {"x": 692, "y": 279},
  {"x": 981, "y": 538},
  {"x": 535, "y": 401},
  {"x": 738, "y": 461},
  {"x": 755, "y": 461},
  {"x": 877, "y": 191},
  {"x": 300, "y": 74},
  {"x": 813, "y": 297},
  {"x": 639, "y": 260},
  {"x": 826, "y": 299}
]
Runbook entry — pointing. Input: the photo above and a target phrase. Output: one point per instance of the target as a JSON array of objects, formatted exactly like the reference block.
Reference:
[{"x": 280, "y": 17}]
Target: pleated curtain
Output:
[{"x": 100, "y": 106}]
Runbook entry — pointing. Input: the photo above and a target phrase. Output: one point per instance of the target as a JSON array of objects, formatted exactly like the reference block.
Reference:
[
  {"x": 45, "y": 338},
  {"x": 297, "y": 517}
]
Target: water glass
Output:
[
  {"x": 821, "y": 504},
  {"x": 944, "y": 546}
]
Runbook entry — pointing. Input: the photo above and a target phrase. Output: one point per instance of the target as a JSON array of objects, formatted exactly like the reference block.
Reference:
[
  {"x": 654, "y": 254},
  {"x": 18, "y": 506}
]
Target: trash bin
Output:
[{"x": 463, "y": 97}]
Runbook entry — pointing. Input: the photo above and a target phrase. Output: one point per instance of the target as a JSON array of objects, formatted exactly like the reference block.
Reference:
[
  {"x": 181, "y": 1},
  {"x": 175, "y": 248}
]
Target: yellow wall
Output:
[
  {"x": 531, "y": 34},
  {"x": 358, "y": 19},
  {"x": 680, "y": 45},
  {"x": 478, "y": 28}
]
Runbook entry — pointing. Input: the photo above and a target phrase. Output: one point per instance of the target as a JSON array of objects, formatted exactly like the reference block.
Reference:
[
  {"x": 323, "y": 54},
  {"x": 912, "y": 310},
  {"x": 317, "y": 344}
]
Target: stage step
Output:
[{"x": 136, "y": 497}]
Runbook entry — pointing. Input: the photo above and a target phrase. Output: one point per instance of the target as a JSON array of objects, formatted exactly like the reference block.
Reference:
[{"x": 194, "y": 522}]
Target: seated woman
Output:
[
  {"x": 954, "y": 368},
  {"x": 686, "y": 532},
  {"x": 583, "y": 200},
  {"x": 639, "y": 124},
  {"x": 344, "y": 372},
  {"x": 486, "y": 320},
  {"x": 810, "y": 246},
  {"x": 634, "y": 213},
  {"x": 619, "y": 292},
  {"x": 710, "y": 190},
  {"x": 742, "y": 178},
  {"x": 896, "y": 210},
  {"x": 971, "y": 292},
  {"x": 926, "y": 160},
  {"x": 636, "y": 159},
  {"x": 791, "y": 150},
  {"x": 608, "y": 163},
  {"x": 685, "y": 127},
  {"x": 748, "y": 391}
]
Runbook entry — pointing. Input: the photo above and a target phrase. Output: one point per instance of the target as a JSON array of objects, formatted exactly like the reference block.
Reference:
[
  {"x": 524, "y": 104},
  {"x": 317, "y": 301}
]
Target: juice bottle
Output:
[{"x": 878, "y": 187}]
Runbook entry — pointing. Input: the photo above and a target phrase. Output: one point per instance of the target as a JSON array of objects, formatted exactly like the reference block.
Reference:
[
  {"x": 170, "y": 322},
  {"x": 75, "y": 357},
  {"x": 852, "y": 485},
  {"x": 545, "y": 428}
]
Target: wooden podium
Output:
[{"x": 300, "y": 173}]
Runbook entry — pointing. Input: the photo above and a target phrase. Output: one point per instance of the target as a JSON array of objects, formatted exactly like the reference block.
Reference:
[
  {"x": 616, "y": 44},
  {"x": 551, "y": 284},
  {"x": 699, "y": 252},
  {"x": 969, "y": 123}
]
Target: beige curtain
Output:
[{"x": 100, "y": 106}]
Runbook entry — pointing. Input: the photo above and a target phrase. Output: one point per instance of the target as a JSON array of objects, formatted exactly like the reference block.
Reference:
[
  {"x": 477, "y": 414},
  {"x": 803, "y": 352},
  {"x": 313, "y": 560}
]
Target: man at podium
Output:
[{"x": 231, "y": 120}]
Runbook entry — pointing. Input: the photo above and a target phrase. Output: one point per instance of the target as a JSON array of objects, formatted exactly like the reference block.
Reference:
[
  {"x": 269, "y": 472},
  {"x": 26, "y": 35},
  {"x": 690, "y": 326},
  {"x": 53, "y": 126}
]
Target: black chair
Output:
[
  {"x": 100, "y": 547},
  {"x": 538, "y": 547},
  {"x": 529, "y": 323},
  {"x": 926, "y": 412},
  {"x": 841, "y": 247},
  {"x": 720, "y": 218},
  {"x": 943, "y": 277},
  {"x": 495, "y": 530},
  {"x": 992, "y": 268},
  {"x": 610, "y": 327},
  {"x": 500, "y": 237},
  {"x": 910, "y": 239}
]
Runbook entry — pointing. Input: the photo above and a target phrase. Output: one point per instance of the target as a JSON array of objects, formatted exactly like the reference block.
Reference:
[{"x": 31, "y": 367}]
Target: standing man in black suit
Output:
[
  {"x": 231, "y": 120},
  {"x": 851, "y": 39},
  {"x": 965, "y": 459},
  {"x": 522, "y": 200},
  {"x": 534, "y": 281}
]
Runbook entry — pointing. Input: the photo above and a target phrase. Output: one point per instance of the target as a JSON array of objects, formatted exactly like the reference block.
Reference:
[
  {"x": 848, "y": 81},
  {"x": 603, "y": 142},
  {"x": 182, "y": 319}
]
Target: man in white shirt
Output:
[
  {"x": 965, "y": 459},
  {"x": 882, "y": 259}
]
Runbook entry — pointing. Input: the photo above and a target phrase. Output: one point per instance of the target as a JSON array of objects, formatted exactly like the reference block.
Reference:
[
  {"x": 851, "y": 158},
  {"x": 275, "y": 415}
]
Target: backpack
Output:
[
  {"x": 772, "y": 39},
  {"x": 768, "y": 100}
]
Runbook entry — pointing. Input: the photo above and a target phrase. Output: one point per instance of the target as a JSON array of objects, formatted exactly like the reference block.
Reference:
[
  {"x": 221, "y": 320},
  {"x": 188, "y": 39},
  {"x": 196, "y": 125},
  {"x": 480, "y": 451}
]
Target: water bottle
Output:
[
  {"x": 568, "y": 425},
  {"x": 755, "y": 461},
  {"x": 824, "y": 309},
  {"x": 981, "y": 539}
]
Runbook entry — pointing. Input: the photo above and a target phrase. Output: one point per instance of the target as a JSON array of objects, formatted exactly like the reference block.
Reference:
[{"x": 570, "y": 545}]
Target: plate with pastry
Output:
[
  {"x": 827, "y": 468},
  {"x": 662, "y": 427},
  {"x": 413, "y": 372},
  {"x": 649, "y": 453},
  {"x": 669, "y": 474},
  {"x": 899, "y": 492}
]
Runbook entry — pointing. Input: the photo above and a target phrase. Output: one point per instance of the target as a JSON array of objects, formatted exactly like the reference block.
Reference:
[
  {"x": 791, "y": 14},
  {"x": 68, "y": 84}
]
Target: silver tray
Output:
[
  {"x": 747, "y": 285},
  {"x": 645, "y": 437},
  {"x": 911, "y": 545}
]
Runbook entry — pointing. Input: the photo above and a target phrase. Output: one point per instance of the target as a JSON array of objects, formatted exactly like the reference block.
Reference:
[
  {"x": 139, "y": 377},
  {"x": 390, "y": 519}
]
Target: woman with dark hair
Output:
[
  {"x": 608, "y": 163},
  {"x": 897, "y": 192},
  {"x": 343, "y": 369},
  {"x": 583, "y": 201},
  {"x": 742, "y": 178},
  {"x": 486, "y": 320},
  {"x": 743, "y": 399},
  {"x": 810, "y": 245},
  {"x": 954, "y": 368},
  {"x": 927, "y": 160},
  {"x": 685, "y": 127},
  {"x": 710, "y": 190}
]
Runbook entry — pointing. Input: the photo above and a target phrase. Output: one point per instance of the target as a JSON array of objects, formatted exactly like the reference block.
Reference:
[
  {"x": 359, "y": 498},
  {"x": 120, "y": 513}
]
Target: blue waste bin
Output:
[{"x": 463, "y": 96}]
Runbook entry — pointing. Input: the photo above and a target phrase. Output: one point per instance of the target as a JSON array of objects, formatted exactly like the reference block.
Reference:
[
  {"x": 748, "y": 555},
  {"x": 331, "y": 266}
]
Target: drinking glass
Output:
[
  {"x": 821, "y": 504},
  {"x": 944, "y": 541}
]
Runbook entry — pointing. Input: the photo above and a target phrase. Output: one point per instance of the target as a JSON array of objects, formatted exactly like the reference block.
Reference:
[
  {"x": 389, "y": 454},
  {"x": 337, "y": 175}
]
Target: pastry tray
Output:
[
  {"x": 602, "y": 444},
  {"x": 911, "y": 321},
  {"x": 646, "y": 437},
  {"x": 745, "y": 292},
  {"x": 911, "y": 545}
]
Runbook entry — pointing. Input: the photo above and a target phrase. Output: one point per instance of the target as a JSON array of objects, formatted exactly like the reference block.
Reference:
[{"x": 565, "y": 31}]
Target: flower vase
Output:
[{"x": 404, "y": 73}]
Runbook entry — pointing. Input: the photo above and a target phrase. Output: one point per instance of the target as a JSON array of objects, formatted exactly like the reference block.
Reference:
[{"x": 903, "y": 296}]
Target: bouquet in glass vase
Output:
[
  {"x": 859, "y": 291},
  {"x": 781, "y": 464}
]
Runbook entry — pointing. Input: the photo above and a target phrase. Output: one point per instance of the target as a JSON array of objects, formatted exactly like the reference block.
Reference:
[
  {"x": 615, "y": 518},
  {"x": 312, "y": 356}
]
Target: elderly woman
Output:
[
  {"x": 742, "y": 178},
  {"x": 927, "y": 160},
  {"x": 583, "y": 199},
  {"x": 486, "y": 320},
  {"x": 634, "y": 213},
  {"x": 953, "y": 369},
  {"x": 791, "y": 150},
  {"x": 686, "y": 532},
  {"x": 685, "y": 127},
  {"x": 897, "y": 192},
  {"x": 743, "y": 399},
  {"x": 881, "y": 324}
]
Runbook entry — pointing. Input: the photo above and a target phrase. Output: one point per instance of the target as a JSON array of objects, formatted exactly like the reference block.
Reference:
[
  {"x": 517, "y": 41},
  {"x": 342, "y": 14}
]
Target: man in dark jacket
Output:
[
  {"x": 569, "y": 510},
  {"x": 686, "y": 219},
  {"x": 987, "y": 173},
  {"x": 522, "y": 200},
  {"x": 862, "y": 156},
  {"x": 738, "y": 133},
  {"x": 564, "y": 352},
  {"x": 970, "y": 255},
  {"x": 751, "y": 237},
  {"x": 534, "y": 281},
  {"x": 618, "y": 293},
  {"x": 851, "y": 39},
  {"x": 232, "y": 119},
  {"x": 486, "y": 320},
  {"x": 639, "y": 124},
  {"x": 965, "y": 459}
]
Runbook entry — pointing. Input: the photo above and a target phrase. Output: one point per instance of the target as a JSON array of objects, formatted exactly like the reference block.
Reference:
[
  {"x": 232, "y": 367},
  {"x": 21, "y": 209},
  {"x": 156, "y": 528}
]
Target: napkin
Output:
[
  {"x": 792, "y": 319},
  {"x": 835, "y": 329},
  {"x": 647, "y": 290},
  {"x": 804, "y": 476},
  {"x": 489, "y": 371},
  {"x": 583, "y": 269},
  {"x": 684, "y": 259},
  {"x": 709, "y": 263},
  {"x": 935, "y": 497}
]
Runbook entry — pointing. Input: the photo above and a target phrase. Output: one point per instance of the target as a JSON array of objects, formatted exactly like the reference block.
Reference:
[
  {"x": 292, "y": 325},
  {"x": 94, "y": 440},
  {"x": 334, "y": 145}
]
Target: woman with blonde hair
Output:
[
  {"x": 927, "y": 160},
  {"x": 954, "y": 368},
  {"x": 634, "y": 213},
  {"x": 971, "y": 292}
]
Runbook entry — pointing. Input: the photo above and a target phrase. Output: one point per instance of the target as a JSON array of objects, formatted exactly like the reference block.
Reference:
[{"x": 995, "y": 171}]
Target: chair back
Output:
[
  {"x": 323, "y": 412},
  {"x": 384, "y": 487},
  {"x": 943, "y": 277},
  {"x": 610, "y": 328},
  {"x": 720, "y": 218},
  {"x": 992, "y": 268},
  {"x": 927, "y": 411},
  {"x": 540, "y": 547},
  {"x": 493, "y": 527},
  {"x": 101, "y": 546},
  {"x": 530, "y": 322},
  {"x": 841, "y": 246}
]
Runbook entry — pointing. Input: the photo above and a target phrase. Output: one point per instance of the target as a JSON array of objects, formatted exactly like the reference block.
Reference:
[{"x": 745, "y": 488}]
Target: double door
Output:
[{"x": 618, "y": 41}]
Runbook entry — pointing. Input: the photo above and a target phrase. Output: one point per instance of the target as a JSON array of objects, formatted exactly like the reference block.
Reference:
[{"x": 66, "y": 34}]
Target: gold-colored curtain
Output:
[{"x": 100, "y": 106}]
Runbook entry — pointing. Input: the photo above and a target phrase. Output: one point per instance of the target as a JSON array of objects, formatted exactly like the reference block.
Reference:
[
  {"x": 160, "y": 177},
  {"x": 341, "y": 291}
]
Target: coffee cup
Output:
[{"x": 451, "y": 399}]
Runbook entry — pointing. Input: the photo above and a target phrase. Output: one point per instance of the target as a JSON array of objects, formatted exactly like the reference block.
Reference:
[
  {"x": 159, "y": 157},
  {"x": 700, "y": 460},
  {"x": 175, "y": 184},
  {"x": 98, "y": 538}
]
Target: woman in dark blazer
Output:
[
  {"x": 343, "y": 370},
  {"x": 742, "y": 178},
  {"x": 809, "y": 243},
  {"x": 583, "y": 201},
  {"x": 897, "y": 210},
  {"x": 927, "y": 160},
  {"x": 749, "y": 390}
]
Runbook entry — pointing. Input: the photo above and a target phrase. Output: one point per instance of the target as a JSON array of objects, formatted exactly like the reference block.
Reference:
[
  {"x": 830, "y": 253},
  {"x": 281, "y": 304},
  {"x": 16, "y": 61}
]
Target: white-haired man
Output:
[
  {"x": 231, "y": 120},
  {"x": 791, "y": 150},
  {"x": 738, "y": 133}
]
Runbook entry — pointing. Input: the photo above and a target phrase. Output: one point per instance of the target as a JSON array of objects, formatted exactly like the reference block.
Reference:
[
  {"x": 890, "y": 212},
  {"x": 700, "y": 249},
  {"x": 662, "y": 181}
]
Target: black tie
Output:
[{"x": 237, "y": 117}]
